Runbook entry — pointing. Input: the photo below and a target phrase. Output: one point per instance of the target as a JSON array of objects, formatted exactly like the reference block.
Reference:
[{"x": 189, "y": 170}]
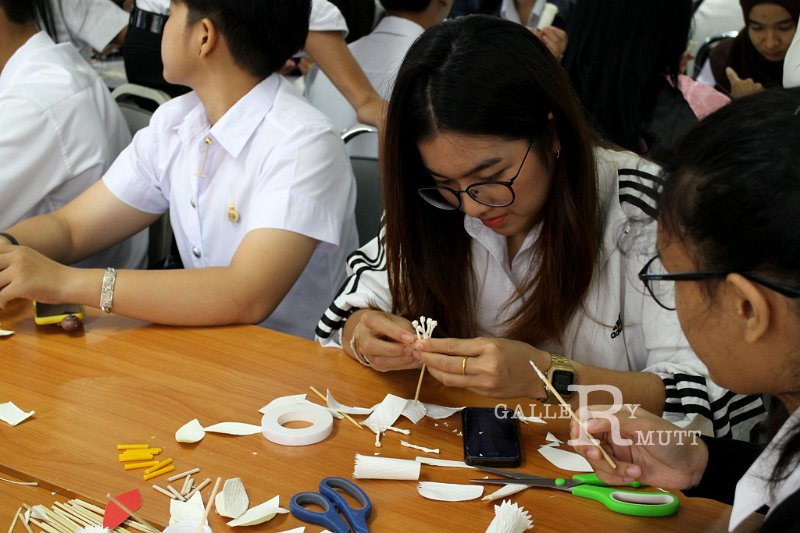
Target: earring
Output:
[{"x": 558, "y": 153}]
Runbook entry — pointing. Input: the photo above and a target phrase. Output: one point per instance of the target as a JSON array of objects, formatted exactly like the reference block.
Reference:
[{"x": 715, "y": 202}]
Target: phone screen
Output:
[
  {"x": 44, "y": 310},
  {"x": 491, "y": 437}
]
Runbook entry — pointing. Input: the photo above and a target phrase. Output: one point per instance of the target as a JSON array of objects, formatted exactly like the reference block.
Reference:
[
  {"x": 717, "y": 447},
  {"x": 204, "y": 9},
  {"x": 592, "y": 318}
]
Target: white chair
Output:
[
  {"x": 369, "y": 202},
  {"x": 137, "y": 118}
]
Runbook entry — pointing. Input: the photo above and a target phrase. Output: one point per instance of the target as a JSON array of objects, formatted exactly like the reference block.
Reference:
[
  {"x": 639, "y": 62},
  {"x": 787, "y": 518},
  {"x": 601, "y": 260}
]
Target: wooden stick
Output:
[
  {"x": 419, "y": 384},
  {"x": 555, "y": 393},
  {"x": 199, "y": 487},
  {"x": 164, "y": 492},
  {"x": 175, "y": 493},
  {"x": 132, "y": 514},
  {"x": 324, "y": 399},
  {"x": 14, "y": 522},
  {"x": 25, "y": 524},
  {"x": 170, "y": 479},
  {"x": 187, "y": 485},
  {"x": 44, "y": 526},
  {"x": 75, "y": 516},
  {"x": 208, "y": 505}
]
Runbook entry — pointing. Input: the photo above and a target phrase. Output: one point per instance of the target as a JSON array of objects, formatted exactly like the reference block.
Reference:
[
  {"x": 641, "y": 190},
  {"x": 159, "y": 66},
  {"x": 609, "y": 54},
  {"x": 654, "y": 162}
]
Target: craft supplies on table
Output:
[{"x": 333, "y": 503}]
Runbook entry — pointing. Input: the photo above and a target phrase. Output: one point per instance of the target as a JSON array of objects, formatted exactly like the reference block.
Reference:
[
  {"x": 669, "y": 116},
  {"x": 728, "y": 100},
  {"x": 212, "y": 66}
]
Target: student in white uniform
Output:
[
  {"x": 379, "y": 55},
  {"x": 59, "y": 128},
  {"x": 258, "y": 187},
  {"x": 729, "y": 241},
  {"x": 506, "y": 224},
  {"x": 90, "y": 24}
]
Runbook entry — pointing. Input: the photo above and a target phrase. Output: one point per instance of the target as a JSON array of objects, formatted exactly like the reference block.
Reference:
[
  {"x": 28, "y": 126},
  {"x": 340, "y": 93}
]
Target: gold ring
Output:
[{"x": 464, "y": 365}]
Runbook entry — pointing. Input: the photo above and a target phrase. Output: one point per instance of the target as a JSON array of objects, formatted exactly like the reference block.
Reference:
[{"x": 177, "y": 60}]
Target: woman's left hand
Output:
[
  {"x": 499, "y": 368},
  {"x": 555, "y": 39}
]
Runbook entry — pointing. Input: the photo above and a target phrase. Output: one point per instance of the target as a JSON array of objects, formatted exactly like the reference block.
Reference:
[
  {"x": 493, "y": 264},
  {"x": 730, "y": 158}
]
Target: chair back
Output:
[{"x": 704, "y": 51}]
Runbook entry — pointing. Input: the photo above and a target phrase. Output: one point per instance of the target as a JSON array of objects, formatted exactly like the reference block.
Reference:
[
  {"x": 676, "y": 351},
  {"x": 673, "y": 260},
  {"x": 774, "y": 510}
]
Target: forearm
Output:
[
  {"x": 642, "y": 388},
  {"x": 47, "y": 234}
]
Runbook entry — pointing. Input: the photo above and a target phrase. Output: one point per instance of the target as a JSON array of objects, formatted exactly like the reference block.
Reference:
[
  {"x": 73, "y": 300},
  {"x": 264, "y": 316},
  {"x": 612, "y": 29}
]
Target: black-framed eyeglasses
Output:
[
  {"x": 660, "y": 283},
  {"x": 494, "y": 193}
]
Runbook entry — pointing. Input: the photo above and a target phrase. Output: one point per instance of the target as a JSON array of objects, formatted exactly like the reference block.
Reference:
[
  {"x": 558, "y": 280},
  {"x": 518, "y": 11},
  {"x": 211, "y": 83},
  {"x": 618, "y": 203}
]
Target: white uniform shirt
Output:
[
  {"x": 753, "y": 491},
  {"x": 275, "y": 158},
  {"x": 379, "y": 54},
  {"x": 88, "y": 24},
  {"x": 59, "y": 132},
  {"x": 508, "y": 11},
  {"x": 160, "y": 7},
  {"x": 791, "y": 63},
  {"x": 619, "y": 325}
]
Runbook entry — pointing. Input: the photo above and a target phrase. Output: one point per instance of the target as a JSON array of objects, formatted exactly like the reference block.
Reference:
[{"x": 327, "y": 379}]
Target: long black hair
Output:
[
  {"x": 733, "y": 198},
  {"x": 38, "y": 12}
]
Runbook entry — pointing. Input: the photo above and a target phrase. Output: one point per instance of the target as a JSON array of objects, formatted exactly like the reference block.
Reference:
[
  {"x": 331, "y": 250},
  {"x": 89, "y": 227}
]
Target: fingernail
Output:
[
  {"x": 593, "y": 454},
  {"x": 407, "y": 338},
  {"x": 631, "y": 471}
]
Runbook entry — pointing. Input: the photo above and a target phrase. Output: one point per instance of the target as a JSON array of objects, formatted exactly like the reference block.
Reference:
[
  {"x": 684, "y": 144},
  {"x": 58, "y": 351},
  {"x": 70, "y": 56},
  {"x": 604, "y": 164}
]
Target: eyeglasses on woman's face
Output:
[
  {"x": 661, "y": 284},
  {"x": 492, "y": 193}
]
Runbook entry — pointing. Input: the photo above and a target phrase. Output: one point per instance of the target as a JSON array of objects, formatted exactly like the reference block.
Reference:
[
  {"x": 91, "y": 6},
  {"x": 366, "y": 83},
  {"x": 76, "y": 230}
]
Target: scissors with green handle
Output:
[{"x": 589, "y": 486}]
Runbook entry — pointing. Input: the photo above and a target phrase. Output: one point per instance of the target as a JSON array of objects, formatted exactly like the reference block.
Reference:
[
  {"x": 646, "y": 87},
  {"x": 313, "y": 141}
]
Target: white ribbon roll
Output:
[{"x": 274, "y": 418}]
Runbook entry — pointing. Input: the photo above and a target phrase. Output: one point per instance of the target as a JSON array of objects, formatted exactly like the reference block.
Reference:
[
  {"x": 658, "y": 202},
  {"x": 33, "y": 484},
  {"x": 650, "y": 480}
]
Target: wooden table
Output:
[{"x": 124, "y": 381}]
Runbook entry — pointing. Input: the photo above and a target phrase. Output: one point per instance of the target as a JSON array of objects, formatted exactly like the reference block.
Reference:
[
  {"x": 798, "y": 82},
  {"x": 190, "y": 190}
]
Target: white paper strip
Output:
[
  {"x": 420, "y": 448},
  {"x": 385, "y": 413},
  {"x": 449, "y": 492},
  {"x": 552, "y": 440},
  {"x": 190, "y": 432},
  {"x": 565, "y": 460},
  {"x": 284, "y": 400},
  {"x": 336, "y": 406},
  {"x": 530, "y": 419},
  {"x": 510, "y": 518},
  {"x": 370, "y": 467},
  {"x": 6, "y": 333},
  {"x": 432, "y": 461},
  {"x": 232, "y": 501},
  {"x": 507, "y": 490},
  {"x": 438, "y": 412},
  {"x": 300, "y": 529},
  {"x": 191, "y": 510},
  {"x": 234, "y": 428},
  {"x": 414, "y": 411},
  {"x": 260, "y": 513},
  {"x": 11, "y": 414}
]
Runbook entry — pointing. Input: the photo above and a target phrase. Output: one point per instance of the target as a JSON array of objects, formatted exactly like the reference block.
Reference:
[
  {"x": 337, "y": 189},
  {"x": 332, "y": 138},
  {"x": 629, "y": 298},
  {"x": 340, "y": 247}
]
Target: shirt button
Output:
[
  {"x": 196, "y": 251},
  {"x": 194, "y": 204}
]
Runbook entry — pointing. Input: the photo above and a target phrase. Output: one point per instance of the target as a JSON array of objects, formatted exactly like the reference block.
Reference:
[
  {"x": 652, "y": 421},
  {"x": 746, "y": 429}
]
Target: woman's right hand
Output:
[
  {"x": 384, "y": 340},
  {"x": 679, "y": 464}
]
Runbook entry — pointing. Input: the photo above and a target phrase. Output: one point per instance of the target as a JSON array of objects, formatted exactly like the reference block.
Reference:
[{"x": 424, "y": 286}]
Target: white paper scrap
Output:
[
  {"x": 386, "y": 413},
  {"x": 232, "y": 500},
  {"x": 530, "y": 419},
  {"x": 6, "y": 333},
  {"x": 11, "y": 414},
  {"x": 565, "y": 460},
  {"x": 300, "y": 529},
  {"x": 449, "y": 492},
  {"x": 420, "y": 448},
  {"x": 371, "y": 467},
  {"x": 548, "y": 16},
  {"x": 432, "y": 461},
  {"x": 438, "y": 412},
  {"x": 552, "y": 440},
  {"x": 336, "y": 406},
  {"x": 284, "y": 400},
  {"x": 190, "y": 511},
  {"x": 93, "y": 529},
  {"x": 234, "y": 428},
  {"x": 260, "y": 513},
  {"x": 510, "y": 518},
  {"x": 39, "y": 512},
  {"x": 190, "y": 432},
  {"x": 506, "y": 490},
  {"x": 414, "y": 411}
]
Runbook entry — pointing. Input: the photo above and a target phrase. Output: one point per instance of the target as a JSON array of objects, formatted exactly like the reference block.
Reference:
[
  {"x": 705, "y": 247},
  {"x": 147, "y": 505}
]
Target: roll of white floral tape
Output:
[{"x": 274, "y": 417}]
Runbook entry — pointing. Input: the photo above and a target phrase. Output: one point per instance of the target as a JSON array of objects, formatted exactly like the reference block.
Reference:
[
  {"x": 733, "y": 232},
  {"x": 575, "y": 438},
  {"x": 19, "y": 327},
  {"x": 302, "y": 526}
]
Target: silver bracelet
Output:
[{"x": 107, "y": 290}]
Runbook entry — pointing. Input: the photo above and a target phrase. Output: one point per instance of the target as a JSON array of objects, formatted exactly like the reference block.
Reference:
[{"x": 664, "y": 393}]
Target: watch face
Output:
[{"x": 562, "y": 379}]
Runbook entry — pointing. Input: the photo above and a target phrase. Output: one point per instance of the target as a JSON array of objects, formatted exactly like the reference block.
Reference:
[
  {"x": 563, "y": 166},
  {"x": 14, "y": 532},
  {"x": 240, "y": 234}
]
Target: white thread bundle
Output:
[{"x": 370, "y": 467}]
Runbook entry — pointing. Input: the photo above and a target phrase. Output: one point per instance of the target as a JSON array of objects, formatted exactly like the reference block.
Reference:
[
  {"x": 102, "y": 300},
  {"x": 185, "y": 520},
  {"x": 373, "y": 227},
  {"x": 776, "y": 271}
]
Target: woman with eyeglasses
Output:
[
  {"x": 730, "y": 243},
  {"x": 507, "y": 224}
]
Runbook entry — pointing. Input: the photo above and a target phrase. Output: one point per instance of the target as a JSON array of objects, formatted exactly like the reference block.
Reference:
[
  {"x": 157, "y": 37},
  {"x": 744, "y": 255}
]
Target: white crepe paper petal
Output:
[
  {"x": 11, "y": 414},
  {"x": 510, "y": 518},
  {"x": 188, "y": 527},
  {"x": 552, "y": 440},
  {"x": 336, "y": 406},
  {"x": 234, "y": 428},
  {"x": 507, "y": 490},
  {"x": 6, "y": 333},
  {"x": 386, "y": 413},
  {"x": 27, "y": 516},
  {"x": 39, "y": 512},
  {"x": 414, "y": 411},
  {"x": 371, "y": 467},
  {"x": 93, "y": 529},
  {"x": 449, "y": 492},
  {"x": 190, "y": 432},
  {"x": 190, "y": 511},
  {"x": 530, "y": 419},
  {"x": 232, "y": 500},
  {"x": 260, "y": 513},
  {"x": 420, "y": 448},
  {"x": 565, "y": 460},
  {"x": 300, "y": 529},
  {"x": 432, "y": 461},
  {"x": 438, "y": 412},
  {"x": 284, "y": 400}
]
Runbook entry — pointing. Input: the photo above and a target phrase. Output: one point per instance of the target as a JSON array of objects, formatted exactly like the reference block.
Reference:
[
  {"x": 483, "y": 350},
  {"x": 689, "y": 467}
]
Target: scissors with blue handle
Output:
[
  {"x": 333, "y": 503},
  {"x": 589, "y": 486}
]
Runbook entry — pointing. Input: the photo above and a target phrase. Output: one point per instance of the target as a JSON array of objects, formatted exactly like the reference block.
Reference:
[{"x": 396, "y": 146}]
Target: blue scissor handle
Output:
[{"x": 332, "y": 503}]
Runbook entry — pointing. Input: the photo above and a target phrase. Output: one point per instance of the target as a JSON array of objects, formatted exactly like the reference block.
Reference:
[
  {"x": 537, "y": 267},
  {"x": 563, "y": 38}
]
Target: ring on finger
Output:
[{"x": 464, "y": 365}]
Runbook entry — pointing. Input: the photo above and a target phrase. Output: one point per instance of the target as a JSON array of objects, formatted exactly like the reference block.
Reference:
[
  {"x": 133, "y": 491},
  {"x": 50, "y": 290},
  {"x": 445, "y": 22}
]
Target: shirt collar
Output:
[
  {"x": 238, "y": 124},
  {"x": 398, "y": 26},
  {"x": 753, "y": 491},
  {"x": 496, "y": 244},
  {"x": 18, "y": 58},
  {"x": 508, "y": 11}
]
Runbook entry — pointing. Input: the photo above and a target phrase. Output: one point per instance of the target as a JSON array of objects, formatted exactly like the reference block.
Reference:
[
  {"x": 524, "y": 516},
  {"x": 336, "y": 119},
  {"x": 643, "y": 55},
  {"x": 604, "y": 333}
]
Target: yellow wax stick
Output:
[
  {"x": 154, "y": 451},
  {"x": 157, "y": 473},
  {"x": 159, "y": 466},
  {"x": 132, "y": 446},
  {"x": 134, "y": 466},
  {"x": 139, "y": 457}
]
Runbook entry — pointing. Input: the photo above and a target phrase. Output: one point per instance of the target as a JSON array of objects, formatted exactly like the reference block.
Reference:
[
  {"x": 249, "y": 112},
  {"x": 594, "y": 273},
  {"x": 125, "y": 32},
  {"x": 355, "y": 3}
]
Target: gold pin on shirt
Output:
[{"x": 233, "y": 214}]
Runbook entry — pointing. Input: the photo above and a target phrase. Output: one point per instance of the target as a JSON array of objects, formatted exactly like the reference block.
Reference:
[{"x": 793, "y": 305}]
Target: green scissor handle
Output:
[
  {"x": 630, "y": 502},
  {"x": 592, "y": 479}
]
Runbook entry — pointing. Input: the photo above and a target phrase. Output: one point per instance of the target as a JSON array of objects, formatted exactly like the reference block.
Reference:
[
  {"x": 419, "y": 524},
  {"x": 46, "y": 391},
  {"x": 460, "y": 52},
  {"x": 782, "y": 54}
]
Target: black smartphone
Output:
[{"x": 491, "y": 437}]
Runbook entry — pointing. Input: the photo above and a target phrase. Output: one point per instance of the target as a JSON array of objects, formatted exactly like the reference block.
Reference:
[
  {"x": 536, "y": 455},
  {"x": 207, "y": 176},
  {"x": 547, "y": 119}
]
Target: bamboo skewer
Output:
[
  {"x": 208, "y": 505},
  {"x": 14, "y": 522},
  {"x": 141, "y": 520},
  {"x": 324, "y": 399},
  {"x": 419, "y": 383}
]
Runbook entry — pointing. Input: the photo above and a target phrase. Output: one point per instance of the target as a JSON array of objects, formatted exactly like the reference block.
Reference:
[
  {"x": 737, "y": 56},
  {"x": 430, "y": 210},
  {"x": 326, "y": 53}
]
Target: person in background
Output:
[
  {"x": 259, "y": 189},
  {"x": 59, "y": 128},
  {"x": 753, "y": 61},
  {"x": 729, "y": 245},
  {"x": 642, "y": 109},
  {"x": 90, "y": 25},
  {"x": 520, "y": 235},
  {"x": 791, "y": 64},
  {"x": 711, "y": 18}
]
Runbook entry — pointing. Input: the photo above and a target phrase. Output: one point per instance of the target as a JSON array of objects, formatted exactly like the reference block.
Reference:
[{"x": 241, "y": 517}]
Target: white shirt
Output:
[
  {"x": 275, "y": 158},
  {"x": 88, "y": 24},
  {"x": 508, "y": 11},
  {"x": 753, "y": 490},
  {"x": 160, "y": 7},
  {"x": 791, "y": 63},
  {"x": 379, "y": 54},
  {"x": 712, "y": 18},
  {"x": 619, "y": 325},
  {"x": 59, "y": 132}
]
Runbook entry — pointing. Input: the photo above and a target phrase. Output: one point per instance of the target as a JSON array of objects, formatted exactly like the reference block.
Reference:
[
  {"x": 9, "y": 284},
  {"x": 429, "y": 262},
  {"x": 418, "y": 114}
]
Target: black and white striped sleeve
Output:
[{"x": 367, "y": 285}]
